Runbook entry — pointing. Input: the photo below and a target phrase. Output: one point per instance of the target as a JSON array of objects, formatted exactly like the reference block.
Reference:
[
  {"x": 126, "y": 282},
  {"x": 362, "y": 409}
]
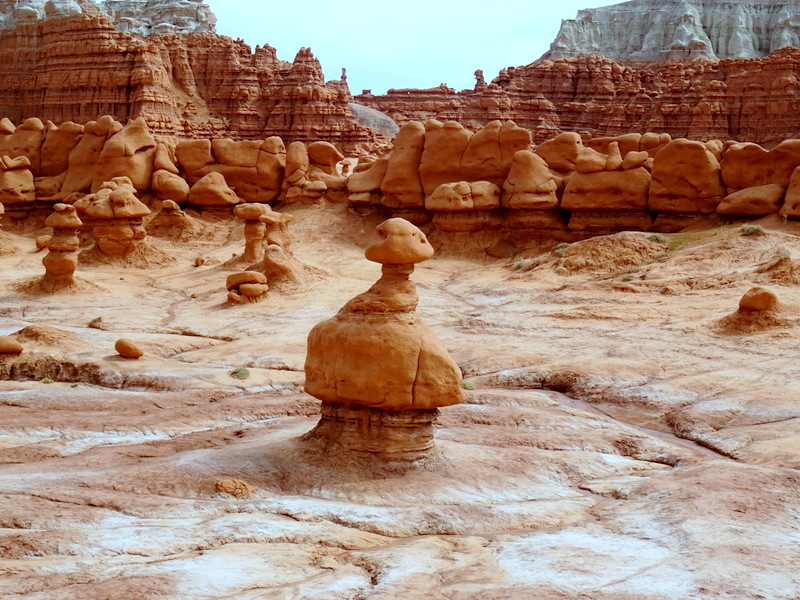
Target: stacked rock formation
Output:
[
  {"x": 247, "y": 286},
  {"x": 744, "y": 99},
  {"x": 380, "y": 372},
  {"x": 118, "y": 214},
  {"x": 79, "y": 67},
  {"x": 254, "y": 230},
  {"x": 62, "y": 248}
]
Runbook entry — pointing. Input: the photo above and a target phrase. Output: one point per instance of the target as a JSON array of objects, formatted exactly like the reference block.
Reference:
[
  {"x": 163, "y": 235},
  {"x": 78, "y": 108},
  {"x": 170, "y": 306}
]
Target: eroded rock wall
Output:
[
  {"x": 749, "y": 100},
  {"x": 80, "y": 67}
]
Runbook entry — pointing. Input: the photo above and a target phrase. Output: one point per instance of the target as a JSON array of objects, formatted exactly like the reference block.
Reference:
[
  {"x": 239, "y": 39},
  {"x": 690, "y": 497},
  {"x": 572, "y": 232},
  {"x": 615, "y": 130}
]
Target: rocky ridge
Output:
[
  {"x": 743, "y": 99},
  {"x": 646, "y": 31}
]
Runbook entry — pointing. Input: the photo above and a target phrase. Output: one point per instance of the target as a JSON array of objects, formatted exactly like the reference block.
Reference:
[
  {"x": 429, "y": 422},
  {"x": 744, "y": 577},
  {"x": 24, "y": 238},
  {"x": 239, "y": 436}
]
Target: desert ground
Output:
[{"x": 626, "y": 433}]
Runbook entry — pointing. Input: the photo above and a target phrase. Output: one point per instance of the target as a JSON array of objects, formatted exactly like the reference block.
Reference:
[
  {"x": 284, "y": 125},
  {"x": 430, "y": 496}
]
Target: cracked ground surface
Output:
[{"x": 616, "y": 445}]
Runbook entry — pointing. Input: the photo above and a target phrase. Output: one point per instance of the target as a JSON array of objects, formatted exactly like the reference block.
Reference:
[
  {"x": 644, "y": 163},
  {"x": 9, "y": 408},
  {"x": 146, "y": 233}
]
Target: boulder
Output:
[{"x": 212, "y": 191}]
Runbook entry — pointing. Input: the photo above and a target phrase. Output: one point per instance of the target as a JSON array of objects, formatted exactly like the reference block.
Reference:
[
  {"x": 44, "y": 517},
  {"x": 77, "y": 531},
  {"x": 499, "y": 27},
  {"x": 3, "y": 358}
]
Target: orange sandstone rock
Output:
[
  {"x": 127, "y": 349},
  {"x": 376, "y": 352},
  {"x": 8, "y": 345},
  {"x": 686, "y": 178},
  {"x": 212, "y": 191},
  {"x": 530, "y": 183}
]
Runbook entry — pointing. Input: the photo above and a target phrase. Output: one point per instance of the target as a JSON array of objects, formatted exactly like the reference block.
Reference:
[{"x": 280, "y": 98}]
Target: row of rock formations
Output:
[
  {"x": 493, "y": 179},
  {"x": 77, "y": 68},
  {"x": 749, "y": 100},
  {"x": 462, "y": 181},
  {"x": 49, "y": 163}
]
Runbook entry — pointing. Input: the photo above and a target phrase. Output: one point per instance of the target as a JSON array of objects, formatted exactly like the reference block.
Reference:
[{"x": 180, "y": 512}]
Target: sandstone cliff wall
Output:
[
  {"x": 749, "y": 100},
  {"x": 80, "y": 68}
]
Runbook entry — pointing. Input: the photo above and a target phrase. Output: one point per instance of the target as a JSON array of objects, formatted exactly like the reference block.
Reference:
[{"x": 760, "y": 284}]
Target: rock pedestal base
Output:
[{"x": 389, "y": 435}]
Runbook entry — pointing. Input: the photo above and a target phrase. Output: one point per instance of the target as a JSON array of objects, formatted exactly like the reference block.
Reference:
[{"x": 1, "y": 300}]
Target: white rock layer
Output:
[
  {"x": 140, "y": 17},
  {"x": 665, "y": 30}
]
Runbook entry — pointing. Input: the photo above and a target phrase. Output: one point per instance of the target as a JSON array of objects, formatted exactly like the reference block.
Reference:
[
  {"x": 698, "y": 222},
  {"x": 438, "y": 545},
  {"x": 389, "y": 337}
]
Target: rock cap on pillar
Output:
[{"x": 398, "y": 242}]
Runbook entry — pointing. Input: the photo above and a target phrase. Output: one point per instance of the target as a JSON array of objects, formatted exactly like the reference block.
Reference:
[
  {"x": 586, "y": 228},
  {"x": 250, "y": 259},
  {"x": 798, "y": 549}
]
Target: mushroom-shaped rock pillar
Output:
[{"x": 380, "y": 372}]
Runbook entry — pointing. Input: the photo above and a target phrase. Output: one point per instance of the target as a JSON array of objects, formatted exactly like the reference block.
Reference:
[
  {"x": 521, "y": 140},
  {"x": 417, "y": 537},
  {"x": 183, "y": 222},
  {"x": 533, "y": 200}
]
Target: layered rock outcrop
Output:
[
  {"x": 743, "y": 99},
  {"x": 79, "y": 67},
  {"x": 646, "y": 30}
]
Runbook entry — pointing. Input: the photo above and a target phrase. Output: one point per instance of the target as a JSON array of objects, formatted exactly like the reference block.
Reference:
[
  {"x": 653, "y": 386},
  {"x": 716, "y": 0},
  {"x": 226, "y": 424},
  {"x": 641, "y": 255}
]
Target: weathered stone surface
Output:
[
  {"x": 398, "y": 242},
  {"x": 644, "y": 30},
  {"x": 445, "y": 144},
  {"x": 758, "y": 299},
  {"x": 389, "y": 435},
  {"x": 16, "y": 181},
  {"x": 608, "y": 190},
  {"x": 530, "y": 183},
  {"x": 8, "y": 345},
  {"x": 753, "y": 201},
  {"x": 463, "y": 196},
  {"x": 169, "y": 186},
  {"x": 686, "y": 178},
  {"x": 750, "y": 165},
  {"x": 401, "y": 184},
  {"x": 212, "y": 190},
  {"x": 129, "y": 153}
]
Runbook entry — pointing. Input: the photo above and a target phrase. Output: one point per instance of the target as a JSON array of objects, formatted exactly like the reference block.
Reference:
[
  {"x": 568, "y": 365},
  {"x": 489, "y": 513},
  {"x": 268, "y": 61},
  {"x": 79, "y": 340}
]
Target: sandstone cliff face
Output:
[
  {"x": 752, "y": 100},
  {"x": 648, "y": 30},
  {"x": 203, "y": 85}
]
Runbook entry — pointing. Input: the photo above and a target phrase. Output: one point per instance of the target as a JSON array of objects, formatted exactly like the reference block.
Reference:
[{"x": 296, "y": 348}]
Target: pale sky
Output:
[{"x": 414, "y": 43}]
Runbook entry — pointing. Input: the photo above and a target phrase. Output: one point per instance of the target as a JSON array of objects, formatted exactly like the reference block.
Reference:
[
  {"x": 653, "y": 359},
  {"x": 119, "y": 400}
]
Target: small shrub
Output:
[
  {"x": 74, "y": 385},
  {"x": 47, "y": 380},
  {"x": 659, "y": 239},
  {"x": 627, "y": 277},
  {"x": 240, "y": 373},
  {"x": 750, "y": 229},
  {"x": 559, "y": 250},
  {"x": 676, "y": 245},
  {"x": 467, "y": 385}
]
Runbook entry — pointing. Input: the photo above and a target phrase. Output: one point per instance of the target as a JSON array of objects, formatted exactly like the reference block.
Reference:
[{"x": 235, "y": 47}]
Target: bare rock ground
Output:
[{"x": 616, "y": 444}]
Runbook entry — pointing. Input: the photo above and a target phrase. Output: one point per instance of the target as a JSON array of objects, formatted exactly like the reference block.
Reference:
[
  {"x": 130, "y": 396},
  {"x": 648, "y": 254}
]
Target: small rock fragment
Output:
[
  {"x": 758, "y": 299},
  {"x": 9, "y": 345},
  {"x": 236, "y": 488},
  {"x": 127, "y": 349}
]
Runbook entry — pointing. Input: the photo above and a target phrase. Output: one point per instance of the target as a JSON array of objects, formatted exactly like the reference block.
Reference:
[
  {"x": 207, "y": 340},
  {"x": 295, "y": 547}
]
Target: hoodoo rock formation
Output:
[
  {"x": 644, "y": 30},
  {"x": 380, "y": 372},
  {"x": 62, "y": 255}
]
